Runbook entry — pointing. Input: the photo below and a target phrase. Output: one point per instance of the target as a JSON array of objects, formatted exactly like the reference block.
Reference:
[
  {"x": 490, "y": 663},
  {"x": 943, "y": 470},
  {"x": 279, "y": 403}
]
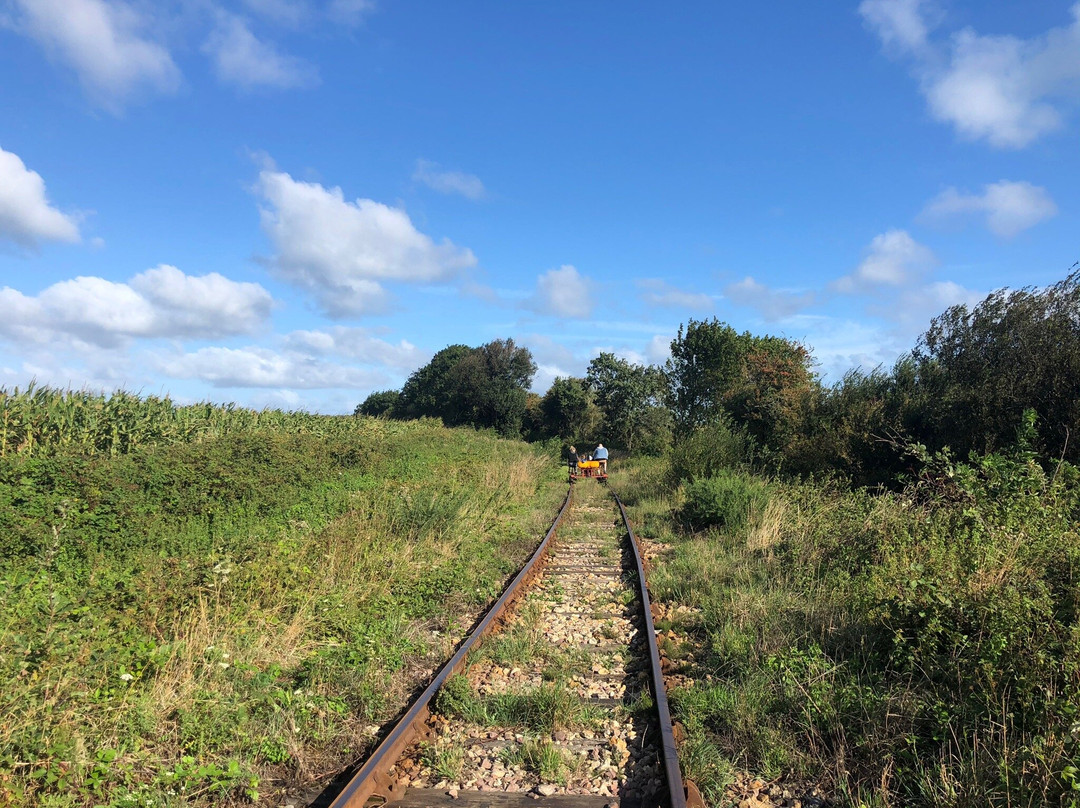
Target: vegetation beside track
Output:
[
  {"x": 914, "y": 648},
  {"x": 225, "y": 602}
]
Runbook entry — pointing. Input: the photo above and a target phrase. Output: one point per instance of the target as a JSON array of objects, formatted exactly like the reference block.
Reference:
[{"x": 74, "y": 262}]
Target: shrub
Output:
[
  {"x": 729, "y": 500},
  {"x": 711, "y": 449}
]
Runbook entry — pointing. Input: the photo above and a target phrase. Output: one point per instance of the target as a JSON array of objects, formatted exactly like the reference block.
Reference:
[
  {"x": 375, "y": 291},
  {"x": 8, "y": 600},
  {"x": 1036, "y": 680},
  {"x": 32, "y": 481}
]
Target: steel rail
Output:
[
  {"x": 372, "y": 782},
  {"x": 372, "y": 785},
  {"x": 677, "y": 791}
]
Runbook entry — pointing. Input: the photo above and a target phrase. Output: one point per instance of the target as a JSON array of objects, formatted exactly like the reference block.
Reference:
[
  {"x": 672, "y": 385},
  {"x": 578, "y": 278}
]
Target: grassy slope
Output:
[
  {"x": 199, "y": 623},
  {"x": 898, "y": 649}
]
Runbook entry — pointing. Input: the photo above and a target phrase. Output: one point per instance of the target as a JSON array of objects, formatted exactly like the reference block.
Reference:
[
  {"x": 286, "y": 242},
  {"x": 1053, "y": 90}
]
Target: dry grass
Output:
[{"x": 767, "y": 529}]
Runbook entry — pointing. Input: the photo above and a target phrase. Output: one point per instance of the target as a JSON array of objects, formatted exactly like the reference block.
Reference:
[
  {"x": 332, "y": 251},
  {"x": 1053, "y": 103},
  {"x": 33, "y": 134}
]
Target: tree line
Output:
[{"x": 724, "y": 396}]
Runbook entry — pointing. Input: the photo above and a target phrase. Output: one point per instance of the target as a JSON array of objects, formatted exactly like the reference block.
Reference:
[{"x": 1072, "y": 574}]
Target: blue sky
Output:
[{"x": 296, "y": 202}]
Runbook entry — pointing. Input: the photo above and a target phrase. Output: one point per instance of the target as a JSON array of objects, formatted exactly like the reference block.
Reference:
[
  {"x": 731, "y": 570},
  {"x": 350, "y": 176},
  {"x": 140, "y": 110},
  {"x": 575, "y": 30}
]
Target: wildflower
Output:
[{"x": 126, "y": 677}]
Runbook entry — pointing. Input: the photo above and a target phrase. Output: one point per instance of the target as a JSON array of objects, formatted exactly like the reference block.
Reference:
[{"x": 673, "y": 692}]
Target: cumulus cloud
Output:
[
  {"x": 899, "y": 23},
  {"x": 104, "y": 41},
  {"x": 1009, "y": 207},
  {"x": 161, "y": 302},
  {"x": 26, "y": 217},
  {"x": 894, "y": 259},
  {"x": 343, "y": 251},
  {"x": 262, "y": 367},
  {"x": 658, "y": 350},
  {"x": 771, "y": 304},
  {"x": 917, "y": 306},
  {"x": 250, "y": 63},
  {"x": 562, "y": 292},
  {"x": 358, "y": 344},
  {"x": 448, "y": 182},
  {"x": 548, "y": 352},
  {"x": 657, "y": 292},
  {"x": 1004, "y": 89}
]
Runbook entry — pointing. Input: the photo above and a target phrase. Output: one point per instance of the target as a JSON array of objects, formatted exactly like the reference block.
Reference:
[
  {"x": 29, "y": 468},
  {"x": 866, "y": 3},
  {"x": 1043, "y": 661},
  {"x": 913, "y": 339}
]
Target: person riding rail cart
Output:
[{"x": 584, "y": 465}]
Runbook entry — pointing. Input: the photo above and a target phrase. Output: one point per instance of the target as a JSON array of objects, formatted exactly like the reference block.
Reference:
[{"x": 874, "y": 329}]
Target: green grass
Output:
[
  {"x": 914, "y": 648},
  {"x": 540, "y": 757},
  {"x": 444, "y": 760},
  {"x": 190, "y": 620},
  {"x": 543, "y": 709}
]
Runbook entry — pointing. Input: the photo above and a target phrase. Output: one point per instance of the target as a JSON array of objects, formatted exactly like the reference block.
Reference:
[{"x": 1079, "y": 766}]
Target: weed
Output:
[
  {"x": 543, "y": 709},
  {"x": 543, "y": 759},
  {"x": 444, "y": 760}
]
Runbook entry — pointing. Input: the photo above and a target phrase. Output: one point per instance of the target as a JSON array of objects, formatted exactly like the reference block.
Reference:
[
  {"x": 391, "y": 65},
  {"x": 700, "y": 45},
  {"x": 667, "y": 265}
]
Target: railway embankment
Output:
[{"x": 228, "y": 609}]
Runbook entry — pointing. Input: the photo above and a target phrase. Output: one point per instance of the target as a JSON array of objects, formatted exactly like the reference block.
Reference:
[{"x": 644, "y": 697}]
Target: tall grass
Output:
[
  {"x": 210, "y": 613},
  {"x": 916, "y": 648}
]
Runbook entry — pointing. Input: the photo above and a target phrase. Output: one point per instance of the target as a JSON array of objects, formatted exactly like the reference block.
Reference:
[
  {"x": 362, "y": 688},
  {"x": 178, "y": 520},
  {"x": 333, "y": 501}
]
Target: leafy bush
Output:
[
  {"x": 711, "y": 449},
  {"x": 728, "y": 500}
]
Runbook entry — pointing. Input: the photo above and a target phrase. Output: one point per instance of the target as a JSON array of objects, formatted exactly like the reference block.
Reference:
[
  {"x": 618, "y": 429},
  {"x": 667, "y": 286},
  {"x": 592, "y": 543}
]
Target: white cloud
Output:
[
  {"x": 771, "y": 304},
  {"x": 26, "y": 217},
  {"x": 546, "y": 375},
  {"x": 547, "y": 351},
  {"x": 899, "y": 23},
  {"x": 659, "y": 349},
  {"x": 448, "y": 182},
  {"x": 243, "y": 59},
  {"x": 261, "y": 367},
  {"x": 201, "y": 306},
  {"x": 916, "y": 307},
  {"x": 893, "y": 259},
  {"x": 1001, "y": 88},
  {"x": 358, "y": 344},
  {"x": 104, "y": 41},
  {"x": 342, "y": 250},
  {"x": 161, "y": 302},
  {"x": 562, "y": 292},
  {"x": 658, "y": 292},
  {"x": 1010, "y": 207}
]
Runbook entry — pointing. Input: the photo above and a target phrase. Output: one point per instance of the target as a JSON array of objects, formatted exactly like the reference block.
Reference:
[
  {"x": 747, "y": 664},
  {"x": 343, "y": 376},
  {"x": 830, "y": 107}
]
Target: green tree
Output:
[
  {"x": 982, "y": 368},
  {"x": 379, "y": 403},
  {"x": 569, "y": 411},
  {"x": 705, "y": 364},
  {"x": 629, "y": 397},
  {"x": 765, "y": 383},
  {"x": 490, "y": 386},
  {"x": 429, "y": 391},
  {"x": 483, "y": 387}
]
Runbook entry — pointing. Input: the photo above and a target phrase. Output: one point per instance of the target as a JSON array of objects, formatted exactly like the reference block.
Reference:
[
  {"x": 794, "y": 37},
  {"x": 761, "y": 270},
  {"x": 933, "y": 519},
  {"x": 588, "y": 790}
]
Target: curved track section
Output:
[{"x": 555, "y": 699}]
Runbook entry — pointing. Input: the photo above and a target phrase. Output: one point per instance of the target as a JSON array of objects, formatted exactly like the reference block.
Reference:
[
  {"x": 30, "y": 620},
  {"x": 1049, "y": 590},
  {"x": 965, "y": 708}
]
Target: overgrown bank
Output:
[
  {"x": 206, "y": 618},
  {"x": 915, "y": 648}
]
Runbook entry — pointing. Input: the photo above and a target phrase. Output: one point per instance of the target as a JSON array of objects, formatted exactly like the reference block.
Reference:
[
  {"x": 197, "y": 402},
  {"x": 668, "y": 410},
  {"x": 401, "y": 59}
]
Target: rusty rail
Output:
[
  {"x": 372, "y": 782},
  {"x": 372, "y": 786},
  {"x": 678, "y": 793}
]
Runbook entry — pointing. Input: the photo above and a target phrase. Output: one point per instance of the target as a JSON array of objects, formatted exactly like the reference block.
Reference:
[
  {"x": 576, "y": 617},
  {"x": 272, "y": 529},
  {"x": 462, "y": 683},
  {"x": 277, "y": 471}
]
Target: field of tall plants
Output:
[
  {"x": 209, "y": 605},
  {"x": 916, "y": 647}
]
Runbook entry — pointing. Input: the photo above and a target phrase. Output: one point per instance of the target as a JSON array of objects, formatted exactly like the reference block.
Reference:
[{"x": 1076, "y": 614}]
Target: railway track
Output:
[{"x": 555, "y": 699}]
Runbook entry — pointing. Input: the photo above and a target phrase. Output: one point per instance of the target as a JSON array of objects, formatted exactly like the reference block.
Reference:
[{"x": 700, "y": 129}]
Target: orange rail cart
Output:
[{"x": 588, "y": 468}]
